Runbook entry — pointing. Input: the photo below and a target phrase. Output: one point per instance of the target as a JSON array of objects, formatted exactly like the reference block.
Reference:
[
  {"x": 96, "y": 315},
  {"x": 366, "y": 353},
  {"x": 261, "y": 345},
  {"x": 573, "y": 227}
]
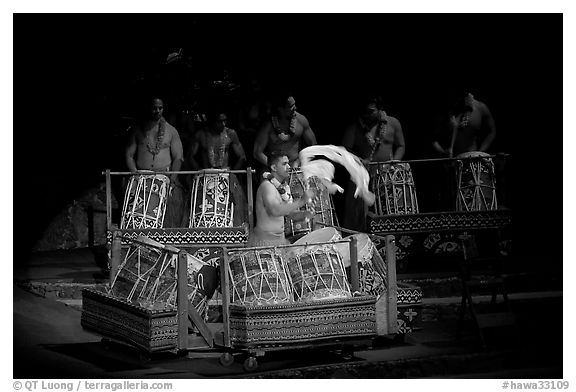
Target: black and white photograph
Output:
[{"x": 288, "y": 196}]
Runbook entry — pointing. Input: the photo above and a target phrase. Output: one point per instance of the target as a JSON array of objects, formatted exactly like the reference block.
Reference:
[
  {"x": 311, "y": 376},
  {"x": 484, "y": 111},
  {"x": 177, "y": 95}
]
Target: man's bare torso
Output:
[
  {"x": 160, "y": 158},
  {"x": 264, "y": 221},
  {"x": 286, "y": 143}
]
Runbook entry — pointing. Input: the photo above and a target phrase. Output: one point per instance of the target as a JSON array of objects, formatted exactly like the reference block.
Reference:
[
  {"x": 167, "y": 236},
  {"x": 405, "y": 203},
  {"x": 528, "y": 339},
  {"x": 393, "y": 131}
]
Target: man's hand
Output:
[
  {"x": 308, "y": 215},
  {"x": 309, "y": 196}
]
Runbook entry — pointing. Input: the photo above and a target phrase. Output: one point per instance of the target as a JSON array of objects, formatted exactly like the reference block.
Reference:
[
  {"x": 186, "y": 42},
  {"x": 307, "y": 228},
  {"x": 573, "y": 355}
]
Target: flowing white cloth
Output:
[{"x": 324, "y": 169}]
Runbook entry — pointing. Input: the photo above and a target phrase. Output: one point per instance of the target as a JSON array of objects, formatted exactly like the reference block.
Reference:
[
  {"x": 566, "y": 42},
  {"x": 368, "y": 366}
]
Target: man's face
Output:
[
  {"x": 289, "y": 107},
  {"x": 371, "y": 113},
  {"x": 281, "y": 168},
  {"x": 220, "y": 123},
  {"x": 157, "y": 109}
]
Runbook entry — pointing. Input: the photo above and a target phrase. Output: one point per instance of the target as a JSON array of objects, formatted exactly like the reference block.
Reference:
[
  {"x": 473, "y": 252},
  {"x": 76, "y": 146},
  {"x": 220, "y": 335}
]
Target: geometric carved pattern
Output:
[
  {"x": 187, "y": 236},
  {"x": 409, "y": 308},
  {"x": 259, "y": 326},
  {"x": 409, "y": 294},
  {"x": 150, "y": 330},
  {"x": 439, "y": 221}
]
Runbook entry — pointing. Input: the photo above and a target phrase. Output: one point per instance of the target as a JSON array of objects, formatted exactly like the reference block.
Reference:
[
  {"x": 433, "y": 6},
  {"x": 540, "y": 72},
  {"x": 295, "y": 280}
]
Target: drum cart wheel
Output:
[
  {"x": 347, "y": 353},
  {"x": 250, "y": 364},
  {"x": 226, "y": 359}
]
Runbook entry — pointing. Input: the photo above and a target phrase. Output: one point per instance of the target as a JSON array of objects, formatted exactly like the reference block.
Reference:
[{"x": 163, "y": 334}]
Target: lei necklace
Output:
[
  {"x": 283, "y": 188},
  {"x": 374, "y": 142},
  {"x": 157, "y": 146},
  {"x": 283, "y": 135},
  {"x": 217, "y": 149},
  {"x": 469, "y": 104}
]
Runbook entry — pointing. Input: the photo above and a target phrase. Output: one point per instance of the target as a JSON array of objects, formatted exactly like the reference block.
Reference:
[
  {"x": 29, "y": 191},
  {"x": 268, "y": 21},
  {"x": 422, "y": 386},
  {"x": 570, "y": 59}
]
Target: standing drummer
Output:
[
  {"x": 155, "y": 145},
  {"x": 274, "y": 201},
  {"x": 471, "y": 127},
  {"x": 284, "y": 132},
  {"x": 374, "y": 137},
  {"x": 213, "y": 145}
]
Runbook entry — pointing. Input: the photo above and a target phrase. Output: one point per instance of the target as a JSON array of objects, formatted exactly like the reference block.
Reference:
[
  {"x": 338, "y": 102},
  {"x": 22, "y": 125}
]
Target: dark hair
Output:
[
  {"x": 280, "y": 97},
  {"x": 213, "y": 114},
  {"x": 274, "y": 157},
  {"x": 372, "y": 99}
]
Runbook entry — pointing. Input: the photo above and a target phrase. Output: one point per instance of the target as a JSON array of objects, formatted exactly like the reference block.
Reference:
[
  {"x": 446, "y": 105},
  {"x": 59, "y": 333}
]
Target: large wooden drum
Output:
[
  {"x": 316, "y": 269},
  {"x": 211, "y": 202},
  {"x": 258, "y": 277},
  {"x": 145, "y": 202},
  {"x": 322, "y": 206},
  {"x": 476, "y": 182},
  {"x": 394, "y": 187}
]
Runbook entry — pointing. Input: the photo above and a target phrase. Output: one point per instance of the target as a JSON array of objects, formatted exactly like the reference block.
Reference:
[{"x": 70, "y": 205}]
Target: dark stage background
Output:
[{"x": 78, "y": 77}]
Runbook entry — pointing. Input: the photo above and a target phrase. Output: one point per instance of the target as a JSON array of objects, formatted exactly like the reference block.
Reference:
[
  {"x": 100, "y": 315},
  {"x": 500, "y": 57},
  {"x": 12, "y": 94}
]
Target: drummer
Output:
[
  {"x": 214, "y": 144},
  {"x": 274, "y": 201},
  {"x": 374, "y": 137},
  {"x": 471, "y": 127},
  {"x": 284, "y": 132},
  {"x": 155, "y": 145}
]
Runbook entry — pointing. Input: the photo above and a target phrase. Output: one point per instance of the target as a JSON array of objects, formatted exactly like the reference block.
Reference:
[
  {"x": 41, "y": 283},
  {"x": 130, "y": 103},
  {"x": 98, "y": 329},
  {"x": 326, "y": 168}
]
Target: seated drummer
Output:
[
  {"x": 274, "y": 201},
  {"x": 374, "y": 137},
  {"x": 155, "y": 145}
]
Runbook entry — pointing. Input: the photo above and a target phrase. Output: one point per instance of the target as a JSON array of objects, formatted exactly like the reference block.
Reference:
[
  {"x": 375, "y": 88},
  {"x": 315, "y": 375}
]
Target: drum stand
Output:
[{"x": 496, "y": 285}]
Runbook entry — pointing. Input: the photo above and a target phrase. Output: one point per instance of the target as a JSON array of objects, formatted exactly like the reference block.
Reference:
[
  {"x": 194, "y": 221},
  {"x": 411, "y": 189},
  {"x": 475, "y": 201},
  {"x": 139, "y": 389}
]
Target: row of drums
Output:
[
  {"x": 216, "y": 199},
  {"x": 315, "y": 268}
]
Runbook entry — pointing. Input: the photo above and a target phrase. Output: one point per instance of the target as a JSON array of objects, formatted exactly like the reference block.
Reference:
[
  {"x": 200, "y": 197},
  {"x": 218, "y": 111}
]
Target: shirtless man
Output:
[
  {"x": 157, "y": 147},
  {"x": 156, "y": 144},
  {"x": 214, "y": 145},
  {"x": 273, "y": 202},
  {"x": 375, "y": 137},
  {"x": 471, "y": 127},
  {"x": 283, "y": 132}
]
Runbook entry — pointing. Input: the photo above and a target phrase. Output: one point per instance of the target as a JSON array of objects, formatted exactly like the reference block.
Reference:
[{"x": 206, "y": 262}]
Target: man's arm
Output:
[
  {"x": 176, "y": 154},
  {"x": 275, "y": 206},
  {"x": 131, "y": 151},
  {"x": 489, "y": 121},
  {"x": 307, "y": 134},
  {"x": 238, "y": 150},
  {"x": 194, "y": 147},
  {"x": 261, "y": 142},
  {"x": 400, "y": 149}
]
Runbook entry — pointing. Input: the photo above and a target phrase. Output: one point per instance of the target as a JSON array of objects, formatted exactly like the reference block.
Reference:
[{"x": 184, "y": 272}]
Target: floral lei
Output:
[
  {"x": 216, "y": 151},
  {"x": 380, "y": 131},
  {"x": 282, "y": 134},
  {"x": 283, "y": 188},
  {"x": 157, "y": 146},
  {"x": 468, "y": 103}
]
